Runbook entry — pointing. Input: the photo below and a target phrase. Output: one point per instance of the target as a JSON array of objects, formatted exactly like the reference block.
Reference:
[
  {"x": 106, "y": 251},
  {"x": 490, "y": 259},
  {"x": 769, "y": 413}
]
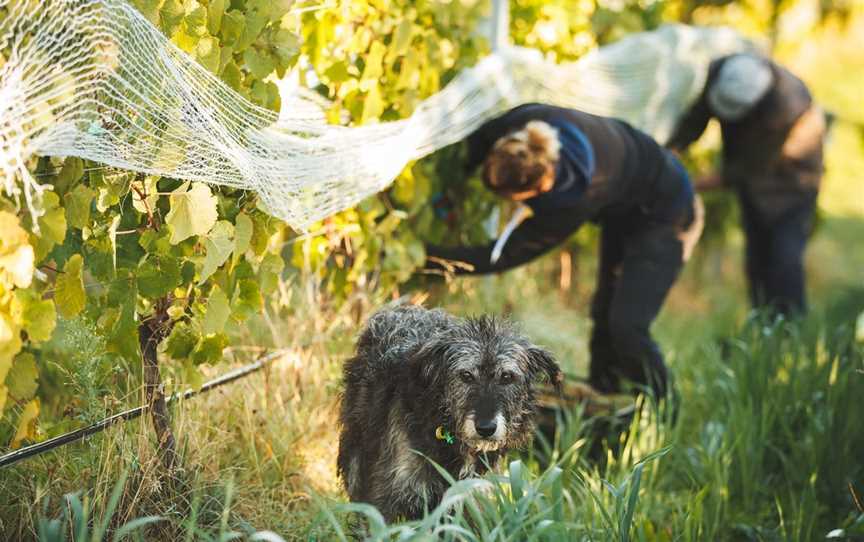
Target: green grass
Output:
[{"x": 767, "y": 445}]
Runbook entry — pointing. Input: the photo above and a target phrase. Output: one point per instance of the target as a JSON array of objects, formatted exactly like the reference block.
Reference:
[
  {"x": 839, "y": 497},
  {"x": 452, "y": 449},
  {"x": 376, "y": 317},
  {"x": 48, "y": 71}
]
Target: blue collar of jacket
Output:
[{"x": 573, "y": 172}]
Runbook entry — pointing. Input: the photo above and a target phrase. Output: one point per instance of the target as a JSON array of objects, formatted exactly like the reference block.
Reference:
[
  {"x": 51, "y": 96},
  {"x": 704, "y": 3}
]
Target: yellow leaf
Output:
[
  {"x": 3, "y": 394},
  {"x": 27, "y": 423},
  {"x": 16, "y": 254},
  {"x": 69, "y": 289},
  {"x": 374, "y": 69},
  {"x": 10, "y": 344},
  {"x": 23, "y": 380},
  {"x": 193, "y": 211}
]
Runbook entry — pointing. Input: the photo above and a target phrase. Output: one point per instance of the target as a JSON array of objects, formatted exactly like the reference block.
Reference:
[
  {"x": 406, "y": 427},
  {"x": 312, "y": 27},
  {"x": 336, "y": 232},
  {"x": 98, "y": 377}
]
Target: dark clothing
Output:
[
  {"x": 639, "y": 262},
  {"x": 773, "y": 158},
  {"x": 631, "y": 174},
  {"x": 775, "y": 256},
  {"x": 756, "y": 149},
  {"x": 642, "y": 199}
]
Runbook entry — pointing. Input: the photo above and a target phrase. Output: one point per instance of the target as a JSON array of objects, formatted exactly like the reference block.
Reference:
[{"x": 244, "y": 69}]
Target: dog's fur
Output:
[{"x": 415, "y": 370}]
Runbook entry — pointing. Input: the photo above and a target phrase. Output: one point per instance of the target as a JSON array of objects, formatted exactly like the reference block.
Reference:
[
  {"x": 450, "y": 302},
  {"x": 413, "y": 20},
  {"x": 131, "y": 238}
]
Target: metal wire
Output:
[{"x": 80, "y": 434}]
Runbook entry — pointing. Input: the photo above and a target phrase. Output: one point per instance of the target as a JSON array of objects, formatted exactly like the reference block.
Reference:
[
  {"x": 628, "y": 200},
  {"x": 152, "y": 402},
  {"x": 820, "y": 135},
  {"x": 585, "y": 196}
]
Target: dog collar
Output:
[{"x": 445, "y": 435}]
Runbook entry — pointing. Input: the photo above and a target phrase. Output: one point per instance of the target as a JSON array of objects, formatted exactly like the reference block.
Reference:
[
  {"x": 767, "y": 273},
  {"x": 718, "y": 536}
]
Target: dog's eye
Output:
[
  {"x": 466, "y": 376},
  {"x": 507, "y": 377}
]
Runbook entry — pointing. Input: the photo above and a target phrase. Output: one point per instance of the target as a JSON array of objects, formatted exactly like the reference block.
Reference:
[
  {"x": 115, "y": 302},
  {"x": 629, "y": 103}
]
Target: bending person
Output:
[
  {"x": 772, "y": 156},
  {"x": 570, "y": 167}
]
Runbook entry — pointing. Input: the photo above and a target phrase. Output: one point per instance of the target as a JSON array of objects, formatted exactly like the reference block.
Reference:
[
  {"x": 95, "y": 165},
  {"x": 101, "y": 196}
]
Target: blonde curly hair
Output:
[{"x": 524, "y": 160}]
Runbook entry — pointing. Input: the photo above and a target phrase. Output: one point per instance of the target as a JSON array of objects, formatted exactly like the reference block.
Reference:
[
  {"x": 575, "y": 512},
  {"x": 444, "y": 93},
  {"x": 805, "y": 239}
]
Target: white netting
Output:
[{"x": 94, "y": 79}]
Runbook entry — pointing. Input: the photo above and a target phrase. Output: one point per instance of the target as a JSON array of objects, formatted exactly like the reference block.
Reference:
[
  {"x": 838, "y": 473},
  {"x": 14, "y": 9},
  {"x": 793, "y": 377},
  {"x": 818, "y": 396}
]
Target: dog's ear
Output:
[
  {"x": 428, "y": 364},
  {"x": 542, "y": 363}
]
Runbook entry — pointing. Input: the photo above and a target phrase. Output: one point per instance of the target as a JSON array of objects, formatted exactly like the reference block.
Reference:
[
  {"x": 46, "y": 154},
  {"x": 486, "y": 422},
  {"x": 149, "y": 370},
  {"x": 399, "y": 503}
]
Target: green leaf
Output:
[
  {"x": 233, "y": 24},
  {"x": 232, "y": 76},
  {"x": 337, "y": 72},
  {"x": 38, "y": 315},
  {"x": 78, "y": 203},
  {"x": 52, "y": 225},
  {"x": 69, "y": 289},
  {"x": 123, "y": 338},
  {"x": 243, "y": 229},
  {"x": 149, "y": 9},
  {"x": 170, "y": 15},
  {"x": 157, "y": 275},
  {"x": 246, "y": 301},
  {"x": 217, "y": 313},
  {"x": 285, "y": 45},
  {"x": 209, "y": 54},
  {"x": 23, "y": 379},
  {"x": 266, "y": 94},
  {"x": 269, "y": 272},
  {"x": 260, "y": 63},
  {"x": 215, "y": 11},
  {"x": 257, "y": 18},
  {"x": 181, "y": 342},
  {"x": 71, "y": 172},
  {"x": 218, "y": 246},
  {"x": 156, "y": 241},
  {"x": 192, "y": 375},
  {"x": 209, "y": 350},
  {"x": 193, "y": 211},
  {"x": 195, "y": 22},
  {"x": 263, "y": 227}
]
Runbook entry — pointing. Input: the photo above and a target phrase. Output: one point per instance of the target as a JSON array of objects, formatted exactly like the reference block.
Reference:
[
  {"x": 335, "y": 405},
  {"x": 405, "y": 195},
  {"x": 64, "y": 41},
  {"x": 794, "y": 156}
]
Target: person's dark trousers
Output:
[
  {"x": 775, "y": 255},
  {"x": 639, "y": 262}
]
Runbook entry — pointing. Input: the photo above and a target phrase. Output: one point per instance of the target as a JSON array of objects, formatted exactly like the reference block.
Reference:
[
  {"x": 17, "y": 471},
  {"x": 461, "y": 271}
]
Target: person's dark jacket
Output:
[
  {"x": 631, "y": 174},
  {"x": 773, "y": 155}
]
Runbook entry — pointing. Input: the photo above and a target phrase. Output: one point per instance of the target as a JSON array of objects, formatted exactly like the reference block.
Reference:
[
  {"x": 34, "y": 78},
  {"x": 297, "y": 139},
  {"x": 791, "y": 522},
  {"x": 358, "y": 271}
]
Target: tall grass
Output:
[{"x": 767, "y": 443}]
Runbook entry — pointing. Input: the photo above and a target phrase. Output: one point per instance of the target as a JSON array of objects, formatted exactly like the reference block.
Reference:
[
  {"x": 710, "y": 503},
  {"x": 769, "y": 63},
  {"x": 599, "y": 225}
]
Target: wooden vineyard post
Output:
[{"x": 150, "y": 333}]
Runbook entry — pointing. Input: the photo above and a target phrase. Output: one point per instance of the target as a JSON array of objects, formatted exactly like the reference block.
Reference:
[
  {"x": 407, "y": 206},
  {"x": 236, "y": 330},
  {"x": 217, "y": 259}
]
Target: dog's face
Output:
[{"x": 486, "y": 372}]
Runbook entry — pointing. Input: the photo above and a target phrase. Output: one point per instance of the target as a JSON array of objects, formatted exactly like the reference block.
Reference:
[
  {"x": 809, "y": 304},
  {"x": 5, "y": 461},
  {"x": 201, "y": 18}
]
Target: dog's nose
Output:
[{"x": 487, "y": 428}]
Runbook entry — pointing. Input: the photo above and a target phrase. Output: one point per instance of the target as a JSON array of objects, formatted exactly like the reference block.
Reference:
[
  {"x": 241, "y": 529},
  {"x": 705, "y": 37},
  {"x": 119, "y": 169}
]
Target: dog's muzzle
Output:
[{"x": 485, "y": 436}]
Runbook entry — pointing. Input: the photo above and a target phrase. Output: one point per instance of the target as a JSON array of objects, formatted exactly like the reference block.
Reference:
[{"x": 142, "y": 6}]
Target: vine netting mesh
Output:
[{"x": 95, "y": 79}]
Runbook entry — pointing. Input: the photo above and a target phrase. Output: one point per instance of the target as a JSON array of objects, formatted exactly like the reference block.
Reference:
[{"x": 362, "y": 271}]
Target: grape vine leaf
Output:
[
  {"x": 78, "y": 203},
  {"x": 16, "y": 254},
  {"x": 157, "y": 275},
  {"x": 214, "y": 15},
  {"x": 181, "y": 342},
  {"x": 193, "y": 211},
  {"x": 218, "y": 246},
  {"x": 69, "y": 289},
  {"x": 26, "y": 423},
  {"x": 23, "y": 379},
  {"x": 217, "y": 313},
  {"x": 52, "y": 225},
  {"x": 247, "y": 300},
  {"x": 209, "y": 349},
  {"x": 39, "y": 316},
  {"x": 243, "y": 229}
]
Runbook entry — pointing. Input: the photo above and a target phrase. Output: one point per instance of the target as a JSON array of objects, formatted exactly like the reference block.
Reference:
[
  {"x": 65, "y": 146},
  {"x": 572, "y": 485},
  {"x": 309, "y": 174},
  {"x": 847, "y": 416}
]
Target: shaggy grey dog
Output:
[{"x": 458, "y": 391}]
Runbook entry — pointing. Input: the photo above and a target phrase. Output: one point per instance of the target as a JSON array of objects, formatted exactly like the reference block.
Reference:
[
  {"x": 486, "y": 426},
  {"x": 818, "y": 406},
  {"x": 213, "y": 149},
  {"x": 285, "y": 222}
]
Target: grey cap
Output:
[{"x": 743, "y": 81}]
